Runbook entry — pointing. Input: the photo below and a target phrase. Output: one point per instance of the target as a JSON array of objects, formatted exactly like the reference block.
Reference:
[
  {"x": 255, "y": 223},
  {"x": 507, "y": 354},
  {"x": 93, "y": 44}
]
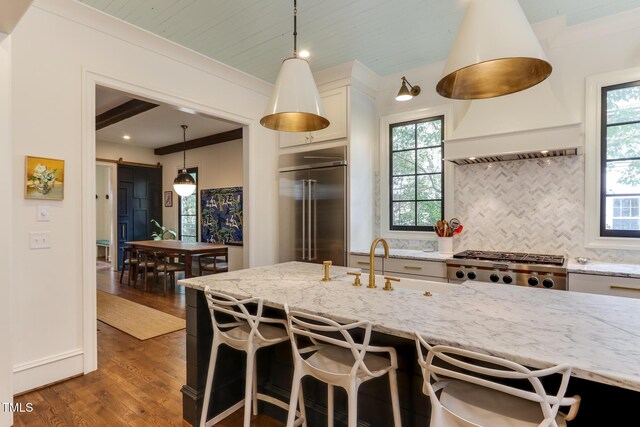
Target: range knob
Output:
[
  {"x": 494, "y": 277},
  {"x": 507, "y": 279},
  {"x": 547, "y": 283},
  {"x": 471, "y": 275},
  {"x": 460, "y": 274},
  {"x": 533, "y": 281}
]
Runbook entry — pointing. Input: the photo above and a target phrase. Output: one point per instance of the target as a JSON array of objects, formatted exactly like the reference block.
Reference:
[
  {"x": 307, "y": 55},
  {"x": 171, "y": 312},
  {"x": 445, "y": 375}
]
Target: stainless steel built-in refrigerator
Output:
[{"x": 313, "y": 206}]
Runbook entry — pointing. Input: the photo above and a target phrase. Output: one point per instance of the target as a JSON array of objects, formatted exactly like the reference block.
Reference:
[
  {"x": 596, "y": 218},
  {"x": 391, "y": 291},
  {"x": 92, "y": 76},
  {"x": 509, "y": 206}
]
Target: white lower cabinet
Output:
[
  {"x": 362, "y": 262},
  {"x": 416, "y": 268},
  {"x": 605, "y": 285},
  {"x": 399, "y": 267}
]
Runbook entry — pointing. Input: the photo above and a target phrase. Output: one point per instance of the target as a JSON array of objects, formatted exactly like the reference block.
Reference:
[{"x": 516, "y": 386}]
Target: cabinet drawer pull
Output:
[
  {"x": 628, "y": 288},
  {"x": 413, "y": 267},
  {"x": 363, "y": 263}
]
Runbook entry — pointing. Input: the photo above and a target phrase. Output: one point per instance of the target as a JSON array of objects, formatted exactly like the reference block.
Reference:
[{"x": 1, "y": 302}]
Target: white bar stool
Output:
[
  {"x": 249, "y": 333},
  {"x": 337, "y": 362},
  {"x": 469, "y": 389}
]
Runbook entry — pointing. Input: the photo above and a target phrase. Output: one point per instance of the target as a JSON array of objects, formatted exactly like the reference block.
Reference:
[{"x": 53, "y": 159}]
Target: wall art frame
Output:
[{"x": 44, "y": 178}]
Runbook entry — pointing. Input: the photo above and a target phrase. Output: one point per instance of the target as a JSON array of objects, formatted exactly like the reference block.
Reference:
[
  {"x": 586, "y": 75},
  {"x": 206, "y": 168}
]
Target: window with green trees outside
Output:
[
  {"x": 416, "y": 198},
  {"x": 188, "y": 213},
  {"x": 620, "y": 161}
]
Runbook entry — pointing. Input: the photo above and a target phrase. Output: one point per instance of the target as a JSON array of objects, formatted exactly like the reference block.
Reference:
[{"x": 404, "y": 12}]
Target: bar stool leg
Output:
[
  {"x": 352, "y": 394},
  {"x": 303, "y": 412},
  {"x": 248, "y": 388},
  {"x": 295, "y": 390},
  {"x": 330, "y": 405},
  {"x": 395, "y": 401},
  {"x": 209, "y": 385},
  {"x": 255, "y": 386}
]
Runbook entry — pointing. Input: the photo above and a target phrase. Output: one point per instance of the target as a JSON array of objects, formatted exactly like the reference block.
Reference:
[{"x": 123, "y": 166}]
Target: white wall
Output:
[
  {"x": 219, "y": 166},
  {"x": 60, "y": 50},
  {"x": 126, "y": 152},
  {"x": 576, "y": 52},
  {"x": 6, "y": 383}
]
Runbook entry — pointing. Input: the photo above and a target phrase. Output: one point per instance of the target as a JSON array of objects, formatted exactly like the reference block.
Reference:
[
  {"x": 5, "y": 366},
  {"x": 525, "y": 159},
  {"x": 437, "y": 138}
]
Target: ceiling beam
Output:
[
  {"x": 123, "y": 112},
  {"x": 218, "y": 138}
]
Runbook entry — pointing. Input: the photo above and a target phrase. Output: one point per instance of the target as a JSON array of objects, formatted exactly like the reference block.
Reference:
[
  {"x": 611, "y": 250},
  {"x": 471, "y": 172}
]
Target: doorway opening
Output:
[{"x": 154, "y": 146}]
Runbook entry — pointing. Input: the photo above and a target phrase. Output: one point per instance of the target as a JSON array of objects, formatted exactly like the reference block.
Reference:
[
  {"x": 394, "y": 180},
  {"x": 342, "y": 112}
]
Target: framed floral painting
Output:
[{"x": 44, "y": 178}]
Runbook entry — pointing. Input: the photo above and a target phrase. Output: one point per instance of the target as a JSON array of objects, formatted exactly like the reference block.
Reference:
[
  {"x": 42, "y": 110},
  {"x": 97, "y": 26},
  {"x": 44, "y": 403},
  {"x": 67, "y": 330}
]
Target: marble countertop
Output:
[
  {"x": 604, "y": 269},
  {"x": 597, "y": 335},
  {"x": 406, "y": 254}
]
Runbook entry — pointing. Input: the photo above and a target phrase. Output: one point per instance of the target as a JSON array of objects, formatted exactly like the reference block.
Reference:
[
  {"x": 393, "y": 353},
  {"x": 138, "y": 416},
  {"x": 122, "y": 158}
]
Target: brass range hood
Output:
[{"x": 495, "y": 53}]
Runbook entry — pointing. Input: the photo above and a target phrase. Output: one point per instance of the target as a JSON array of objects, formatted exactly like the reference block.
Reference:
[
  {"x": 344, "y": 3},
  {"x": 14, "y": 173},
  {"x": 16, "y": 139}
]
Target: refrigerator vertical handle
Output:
[
  {"x": 315, "y": 218},
  {"x": 309, "y": 219},
  {"x": 304, "y": 220}
]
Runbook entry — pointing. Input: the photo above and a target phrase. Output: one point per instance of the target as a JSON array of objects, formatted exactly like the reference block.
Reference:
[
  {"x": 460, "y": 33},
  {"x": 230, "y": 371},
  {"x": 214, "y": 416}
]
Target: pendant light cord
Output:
[
  {"x": 184, "y": 146},
  {"x": 295, "y": 28}
]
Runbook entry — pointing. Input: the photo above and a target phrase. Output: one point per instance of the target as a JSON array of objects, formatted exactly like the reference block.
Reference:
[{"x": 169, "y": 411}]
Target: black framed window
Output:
[
  {"x": 416, "y": 178},
  {"x": 188, "y": 213},
  {"x": 620, "y": 161}
]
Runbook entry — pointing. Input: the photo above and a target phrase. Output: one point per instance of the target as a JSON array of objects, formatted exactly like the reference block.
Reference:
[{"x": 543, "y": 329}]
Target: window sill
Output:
[
  {"x": 619, "y": 243},
  {"x": 409, "y": 235}
]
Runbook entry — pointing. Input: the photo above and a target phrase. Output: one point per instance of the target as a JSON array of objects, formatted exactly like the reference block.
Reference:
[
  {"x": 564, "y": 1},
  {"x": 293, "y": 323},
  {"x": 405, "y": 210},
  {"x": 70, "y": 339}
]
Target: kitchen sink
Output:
[
  {"x": 420, "y": 285},
  {"x": 410, "y": 284}
]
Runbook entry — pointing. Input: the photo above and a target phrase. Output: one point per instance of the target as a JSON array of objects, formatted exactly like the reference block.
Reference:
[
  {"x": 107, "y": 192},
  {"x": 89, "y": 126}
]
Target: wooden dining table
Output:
[{"x": 188, "y": 249}]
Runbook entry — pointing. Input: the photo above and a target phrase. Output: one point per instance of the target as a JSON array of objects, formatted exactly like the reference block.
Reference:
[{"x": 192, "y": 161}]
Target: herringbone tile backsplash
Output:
[{"x": 523, "y": 206}]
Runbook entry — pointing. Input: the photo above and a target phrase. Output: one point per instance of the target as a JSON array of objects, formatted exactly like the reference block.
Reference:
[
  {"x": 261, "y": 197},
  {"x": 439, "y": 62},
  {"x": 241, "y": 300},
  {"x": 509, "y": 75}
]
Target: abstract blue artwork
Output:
[{"x": 221, "y": 215}]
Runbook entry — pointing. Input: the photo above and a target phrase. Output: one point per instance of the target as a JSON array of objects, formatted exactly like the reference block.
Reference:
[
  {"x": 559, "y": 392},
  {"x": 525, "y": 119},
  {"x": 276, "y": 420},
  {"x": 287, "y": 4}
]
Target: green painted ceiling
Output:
[{"x": 387, "y": 36}]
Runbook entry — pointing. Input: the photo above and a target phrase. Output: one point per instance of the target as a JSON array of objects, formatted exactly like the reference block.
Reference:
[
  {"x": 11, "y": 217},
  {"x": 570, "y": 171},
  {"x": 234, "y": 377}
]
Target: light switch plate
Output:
[
  {"x": 43, "y": 213},
  {"x": 39, "y": 240}
]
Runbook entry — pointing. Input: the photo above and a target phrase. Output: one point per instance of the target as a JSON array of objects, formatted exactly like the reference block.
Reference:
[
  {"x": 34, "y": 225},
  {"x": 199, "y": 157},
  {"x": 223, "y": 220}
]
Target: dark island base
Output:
[{"x": 602, "y": 405}]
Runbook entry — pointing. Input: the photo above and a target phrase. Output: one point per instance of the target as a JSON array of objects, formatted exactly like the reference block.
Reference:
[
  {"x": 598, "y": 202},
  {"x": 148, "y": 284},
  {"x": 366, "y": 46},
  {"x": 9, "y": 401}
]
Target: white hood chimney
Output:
[{"x": 527, "y": 124}]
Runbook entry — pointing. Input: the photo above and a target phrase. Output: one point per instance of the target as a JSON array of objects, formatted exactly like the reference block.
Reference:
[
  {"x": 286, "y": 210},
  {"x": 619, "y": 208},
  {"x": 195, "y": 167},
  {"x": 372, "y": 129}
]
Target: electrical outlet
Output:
[{"x": 39, "y": 240}]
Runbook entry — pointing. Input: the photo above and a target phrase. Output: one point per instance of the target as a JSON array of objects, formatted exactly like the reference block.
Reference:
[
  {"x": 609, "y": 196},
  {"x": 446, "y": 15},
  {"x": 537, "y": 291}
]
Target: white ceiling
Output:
[
  {"x": 388, "y": 36},
  {"x": 154, "y": 128}
]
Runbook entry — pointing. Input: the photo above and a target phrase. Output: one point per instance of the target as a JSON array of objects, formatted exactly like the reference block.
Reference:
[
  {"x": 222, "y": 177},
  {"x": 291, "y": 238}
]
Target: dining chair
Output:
[
  {"x": 129, "y": 263},
  {"x": 467, "y": 388},
  {"x": 240, "y": 324},
  {"x": 328, "y": 351},
  {"x": 146, "y": 265},
  {"x": 169, "y": 264},
  {"x": 215, "y": 262}
]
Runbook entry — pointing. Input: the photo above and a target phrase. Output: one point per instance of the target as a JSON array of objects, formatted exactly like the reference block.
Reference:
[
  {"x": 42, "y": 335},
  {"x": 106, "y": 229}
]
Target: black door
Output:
[{"x": 139, "y": 201}]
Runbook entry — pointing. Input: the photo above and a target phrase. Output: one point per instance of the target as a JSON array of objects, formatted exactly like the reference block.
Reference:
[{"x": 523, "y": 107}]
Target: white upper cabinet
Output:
[{"x": 335, "y": 105}]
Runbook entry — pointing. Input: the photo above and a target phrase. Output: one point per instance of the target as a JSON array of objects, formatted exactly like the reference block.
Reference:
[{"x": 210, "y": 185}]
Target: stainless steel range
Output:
[{"x": 511, "y": 268}]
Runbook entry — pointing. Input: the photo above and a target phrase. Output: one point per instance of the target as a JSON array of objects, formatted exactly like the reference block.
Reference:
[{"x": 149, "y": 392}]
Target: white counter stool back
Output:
[
  {"x": 245, "y": 330},
  {"x": 471, "y": 389},
  {"x": 339, "y": 361}
]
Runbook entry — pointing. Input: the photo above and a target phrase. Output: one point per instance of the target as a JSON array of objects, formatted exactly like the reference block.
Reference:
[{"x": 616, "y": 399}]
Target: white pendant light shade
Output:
[
  {"x": 184, "y": 184},
  {"x": 495, "y": 53},
  {"x": 295, "y": 104}
]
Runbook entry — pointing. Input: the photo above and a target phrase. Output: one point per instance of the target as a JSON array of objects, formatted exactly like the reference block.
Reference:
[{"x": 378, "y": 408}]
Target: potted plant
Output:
[{"x": 163, "y": 232}]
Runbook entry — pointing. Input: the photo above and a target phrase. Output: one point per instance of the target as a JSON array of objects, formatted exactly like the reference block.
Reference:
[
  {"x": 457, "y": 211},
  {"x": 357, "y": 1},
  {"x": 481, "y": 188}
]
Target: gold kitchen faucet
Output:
[{"x": 372, "y": 272}]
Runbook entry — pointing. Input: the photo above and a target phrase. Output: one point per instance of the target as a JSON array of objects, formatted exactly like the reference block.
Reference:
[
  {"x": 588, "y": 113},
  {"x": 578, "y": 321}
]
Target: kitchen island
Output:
[{"x": 597, "y": 335}]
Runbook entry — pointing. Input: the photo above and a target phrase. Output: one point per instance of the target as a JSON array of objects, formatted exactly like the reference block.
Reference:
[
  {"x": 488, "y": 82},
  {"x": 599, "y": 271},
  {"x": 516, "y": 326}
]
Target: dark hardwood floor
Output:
[{"x": 137, "y": 382}]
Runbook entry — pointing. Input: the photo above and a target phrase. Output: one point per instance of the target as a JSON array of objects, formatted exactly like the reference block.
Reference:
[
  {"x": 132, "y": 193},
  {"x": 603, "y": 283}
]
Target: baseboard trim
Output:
[{"x": 47, "y": 370}]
